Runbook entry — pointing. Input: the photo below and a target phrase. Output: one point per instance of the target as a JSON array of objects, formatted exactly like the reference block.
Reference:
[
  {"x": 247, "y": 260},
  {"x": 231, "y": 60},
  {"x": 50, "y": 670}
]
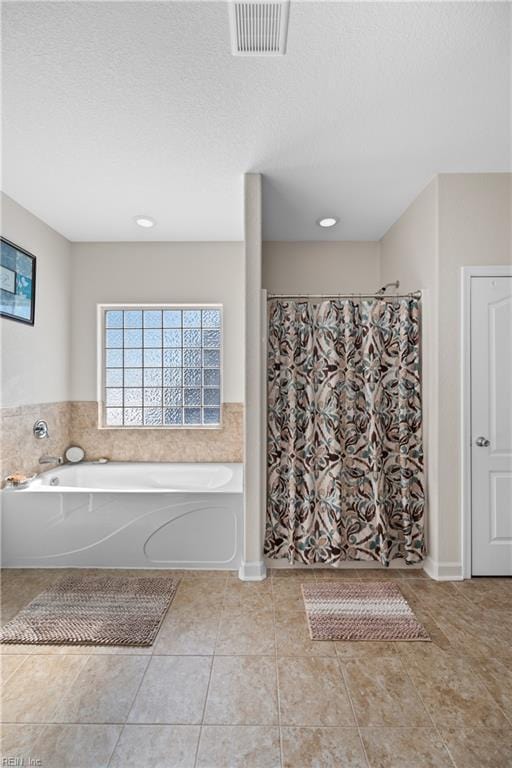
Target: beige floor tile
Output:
[
  {"x": 312, "y": 692},
  {"x": 173, "y": 691},
  {"x": 497, "y": 677},
  {"x": 199, "y": 593},
  {"x": 452, "y": 693},
  {"x": 104, "y": 690},
  {"x": 239, "y": 746},
  {"x": 76, "y": 746},
  {"x": 19, "y": 649},
  {"x": 293, "y": 638},
  {"x": 322, "y": 748},
  {"x": 382, "y": 693},
  {"x": 438, "y": 638},
  {"x": 479, "y": 747},
  {"x": 435, "y": 597},
  {"x": 380, "y": 574},
  {"x": 248, "y": 594},
  {"x": 72, "y": 650},
  {"x": 413, "y": 573},
  {"x": 242, "y": 691},
  {"x": 126, "y": 572},
  {"x": 331, "y": 574},
  {"x": 478, "y": 642},
  {"x": 189, "y": 632},
  {"x": 208, "y": 577},
  {"x": 112, "y": 650},
  {"x": 463, "y": 677},
  {"x": 486, "y": 593},
  {"x": 288, "y": 596},
  {"x": 293, "y": 573},
  {"x": 244, "y": 631},
  {"x": 439, "y": 646},
  {"x": 8, "y": 665},
  {"x": 34, "y": 691},
  {"x": 347, "y": 650},
  {"x": 16, "y": 743},
  {"x": 156, "y": 746},
  {"x": 405, "y": 748}
]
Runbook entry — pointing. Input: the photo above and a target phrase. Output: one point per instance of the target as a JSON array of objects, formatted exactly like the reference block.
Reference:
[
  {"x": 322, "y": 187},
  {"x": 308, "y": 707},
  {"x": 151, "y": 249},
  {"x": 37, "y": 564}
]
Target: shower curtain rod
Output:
[{"x": 411, "y": 295}]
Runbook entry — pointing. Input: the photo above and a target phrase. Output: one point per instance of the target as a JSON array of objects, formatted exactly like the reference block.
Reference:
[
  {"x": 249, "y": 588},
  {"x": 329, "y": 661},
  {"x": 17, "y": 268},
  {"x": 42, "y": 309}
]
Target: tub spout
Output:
[{"x": 51, "y": 460}]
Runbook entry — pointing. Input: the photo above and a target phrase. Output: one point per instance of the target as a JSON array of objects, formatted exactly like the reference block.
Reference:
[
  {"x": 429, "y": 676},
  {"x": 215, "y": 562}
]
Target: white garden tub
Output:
[{"x": 126, "y": 515}]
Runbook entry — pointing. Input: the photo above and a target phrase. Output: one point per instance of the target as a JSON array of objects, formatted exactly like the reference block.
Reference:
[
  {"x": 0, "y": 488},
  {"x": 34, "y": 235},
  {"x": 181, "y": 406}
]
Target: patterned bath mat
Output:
[
  {"x": 94, "y": 610},
  {"x": 349, "y": 611}
]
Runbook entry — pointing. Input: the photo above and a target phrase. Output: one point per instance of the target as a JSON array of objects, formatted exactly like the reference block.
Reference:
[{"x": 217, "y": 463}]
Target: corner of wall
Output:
[{"x": 252, "y": 559}]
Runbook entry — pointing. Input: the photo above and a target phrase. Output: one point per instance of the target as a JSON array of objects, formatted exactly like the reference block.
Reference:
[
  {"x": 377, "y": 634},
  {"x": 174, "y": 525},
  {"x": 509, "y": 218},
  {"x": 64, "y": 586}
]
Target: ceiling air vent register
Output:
[{"x": 259, "y": 28}]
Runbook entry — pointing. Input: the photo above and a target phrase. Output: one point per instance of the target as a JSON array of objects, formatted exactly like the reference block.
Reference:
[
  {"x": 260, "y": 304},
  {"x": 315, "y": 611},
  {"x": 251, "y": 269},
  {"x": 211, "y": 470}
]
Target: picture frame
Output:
[{"x": 17, "y": 283}]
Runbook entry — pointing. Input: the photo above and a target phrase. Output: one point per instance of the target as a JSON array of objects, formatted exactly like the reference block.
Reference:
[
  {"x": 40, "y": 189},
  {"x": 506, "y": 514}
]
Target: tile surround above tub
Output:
[
  {"x": 194, "y": 445},
  {"x": 19, "y": 449},
  {"x": 77, "y": 423}
]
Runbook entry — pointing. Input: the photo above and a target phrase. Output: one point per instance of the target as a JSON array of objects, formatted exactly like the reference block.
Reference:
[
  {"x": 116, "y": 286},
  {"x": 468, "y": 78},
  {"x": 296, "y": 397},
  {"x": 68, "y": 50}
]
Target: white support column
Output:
[{"x": 253, "y": 566}]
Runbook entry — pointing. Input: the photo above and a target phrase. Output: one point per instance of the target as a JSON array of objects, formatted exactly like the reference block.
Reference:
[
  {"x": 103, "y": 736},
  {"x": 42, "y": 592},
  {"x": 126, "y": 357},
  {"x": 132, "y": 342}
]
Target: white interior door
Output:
[{"x": 491, "y": 426}]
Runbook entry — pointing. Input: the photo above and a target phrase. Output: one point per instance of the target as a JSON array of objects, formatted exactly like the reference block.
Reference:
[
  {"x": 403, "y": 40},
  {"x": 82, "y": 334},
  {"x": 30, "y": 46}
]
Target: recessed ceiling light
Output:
[
  {"x": 145, "y": 221},
  {"x": 327, "y": 221}
]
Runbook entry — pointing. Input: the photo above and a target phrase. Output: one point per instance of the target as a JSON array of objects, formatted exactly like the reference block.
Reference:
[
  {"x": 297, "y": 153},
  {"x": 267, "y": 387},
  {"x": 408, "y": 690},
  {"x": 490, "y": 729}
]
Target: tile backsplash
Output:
[
  {"x": 20, "y": 450},
  {"x": 224, "y": 444},
  {"x": 76, "y": 423}
]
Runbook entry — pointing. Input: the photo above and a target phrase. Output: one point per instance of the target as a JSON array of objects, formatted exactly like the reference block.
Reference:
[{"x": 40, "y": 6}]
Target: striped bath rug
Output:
[
  {"x": 356, "y": 611},
  {"x": 94, "y": 610}
]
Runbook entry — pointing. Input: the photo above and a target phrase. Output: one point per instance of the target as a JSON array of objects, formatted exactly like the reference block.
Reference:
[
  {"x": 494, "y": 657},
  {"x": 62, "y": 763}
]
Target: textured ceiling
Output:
[{"x": 117, "y": 109}]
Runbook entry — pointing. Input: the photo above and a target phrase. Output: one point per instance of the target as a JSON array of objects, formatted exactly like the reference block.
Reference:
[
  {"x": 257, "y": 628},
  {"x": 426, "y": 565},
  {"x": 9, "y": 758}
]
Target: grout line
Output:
[
  {"x": 196, "y": 756},
  {"x": 116, "y": 745},
  {"x": 138, "y": 688},
  {"x": 54, "y": 711},
  {"x": 342, "y": 671},
  {"x": 483, "y": 679},
  {"x": 16, "y": 669},
  {"x": 278, "y": 696},
  {"x": 434, "y": 724},
  {"x": 212, "y": 659},
  {"x": 165, "y": 724}
]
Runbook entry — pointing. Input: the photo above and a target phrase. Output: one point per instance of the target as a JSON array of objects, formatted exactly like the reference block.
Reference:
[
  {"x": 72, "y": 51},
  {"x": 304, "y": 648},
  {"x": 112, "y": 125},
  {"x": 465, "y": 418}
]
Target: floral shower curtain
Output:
[{"x": 345, "y": 458}]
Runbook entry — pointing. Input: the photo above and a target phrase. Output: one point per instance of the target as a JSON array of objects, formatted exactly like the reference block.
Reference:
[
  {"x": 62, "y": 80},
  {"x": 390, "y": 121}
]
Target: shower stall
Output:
[{"x": 345, "y": 464}]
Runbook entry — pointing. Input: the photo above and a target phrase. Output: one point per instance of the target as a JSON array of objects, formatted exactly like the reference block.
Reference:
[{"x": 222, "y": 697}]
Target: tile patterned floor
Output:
[{"x": 233, "y": 680}]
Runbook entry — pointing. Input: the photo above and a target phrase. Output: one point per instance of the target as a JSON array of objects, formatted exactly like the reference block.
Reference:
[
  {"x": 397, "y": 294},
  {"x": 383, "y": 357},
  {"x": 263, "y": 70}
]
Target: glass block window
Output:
[{"x": 161, "y": 366}]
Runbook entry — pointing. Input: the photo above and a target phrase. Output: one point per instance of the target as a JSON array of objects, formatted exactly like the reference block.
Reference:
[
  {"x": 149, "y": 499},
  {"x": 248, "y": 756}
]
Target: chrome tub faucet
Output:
[{"x": 51, "y": 460}]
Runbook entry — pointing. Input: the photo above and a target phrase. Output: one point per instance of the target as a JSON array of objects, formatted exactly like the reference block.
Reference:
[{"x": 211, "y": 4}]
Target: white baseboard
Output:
[
  {"x": 443, "y": 571},
  {"x": 252, "y": 571}
]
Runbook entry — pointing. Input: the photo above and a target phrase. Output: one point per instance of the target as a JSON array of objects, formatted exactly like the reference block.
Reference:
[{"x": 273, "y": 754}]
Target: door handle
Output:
[{"x": 482, "y": 442}]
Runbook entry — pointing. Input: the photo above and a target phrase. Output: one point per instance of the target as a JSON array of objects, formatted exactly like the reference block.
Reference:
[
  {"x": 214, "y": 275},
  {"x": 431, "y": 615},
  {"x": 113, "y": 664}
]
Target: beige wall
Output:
[
  {"x": 151, "y": 273},
  {"x": 35, "y": 359},
  {"x": 408, "y": 250},
  {"x": 459, "y": 220},
  {"x": 35, "y": 380},
  {"x": 409, "y": 253},
  {"x": 156, "y": 272},
  {"x": 320, "y": 267},
  {"x": 474, "y": 230}
]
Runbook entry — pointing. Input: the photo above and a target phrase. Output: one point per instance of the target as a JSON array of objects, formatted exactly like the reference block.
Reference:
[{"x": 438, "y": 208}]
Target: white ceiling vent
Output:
[{"x": 258, "y": 28}]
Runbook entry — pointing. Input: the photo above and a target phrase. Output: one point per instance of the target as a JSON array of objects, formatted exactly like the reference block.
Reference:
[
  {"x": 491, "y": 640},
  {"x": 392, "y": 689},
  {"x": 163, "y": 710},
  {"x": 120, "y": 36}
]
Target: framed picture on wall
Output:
[{"x": 17, "y": 283}]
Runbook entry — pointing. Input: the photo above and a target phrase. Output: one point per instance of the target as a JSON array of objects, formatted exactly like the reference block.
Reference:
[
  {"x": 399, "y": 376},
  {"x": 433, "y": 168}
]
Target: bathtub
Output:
[{"x": 126, "y": 515}]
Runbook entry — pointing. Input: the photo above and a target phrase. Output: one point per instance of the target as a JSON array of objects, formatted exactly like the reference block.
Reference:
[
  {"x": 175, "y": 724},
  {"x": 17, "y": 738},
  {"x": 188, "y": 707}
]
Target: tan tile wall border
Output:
[
  {"x": 19, "y": 449},
  {"x": 76, "y": 423},
  {"x": 196, "y": 445}
]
